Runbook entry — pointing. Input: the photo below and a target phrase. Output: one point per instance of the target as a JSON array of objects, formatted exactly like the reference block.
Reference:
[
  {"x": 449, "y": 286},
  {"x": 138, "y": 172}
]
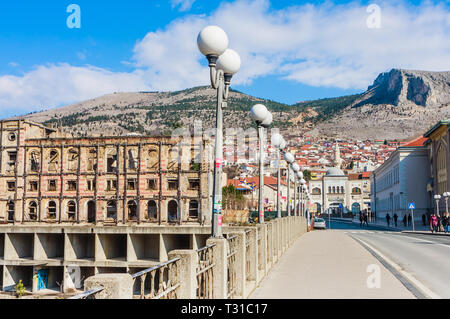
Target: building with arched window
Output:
[
  {"x": 439, "y": 161},
  {"x": 101, "y": 180},
  {"x": 337, "y": 193}
]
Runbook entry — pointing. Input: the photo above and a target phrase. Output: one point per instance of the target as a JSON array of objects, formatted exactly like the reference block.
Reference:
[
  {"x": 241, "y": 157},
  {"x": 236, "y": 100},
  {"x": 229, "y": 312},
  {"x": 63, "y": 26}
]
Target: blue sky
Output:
[{"x": 291, "y": 50}]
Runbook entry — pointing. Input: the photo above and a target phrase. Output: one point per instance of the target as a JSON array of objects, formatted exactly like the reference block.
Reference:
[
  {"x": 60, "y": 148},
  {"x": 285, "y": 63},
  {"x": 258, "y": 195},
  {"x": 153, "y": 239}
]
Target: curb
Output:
[{"x": 425, "y": 233}]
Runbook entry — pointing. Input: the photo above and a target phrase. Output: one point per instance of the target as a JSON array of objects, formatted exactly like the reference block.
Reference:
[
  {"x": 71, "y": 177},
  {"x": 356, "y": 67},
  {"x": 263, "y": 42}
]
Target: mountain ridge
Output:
[{"x": 398, "y": 105}]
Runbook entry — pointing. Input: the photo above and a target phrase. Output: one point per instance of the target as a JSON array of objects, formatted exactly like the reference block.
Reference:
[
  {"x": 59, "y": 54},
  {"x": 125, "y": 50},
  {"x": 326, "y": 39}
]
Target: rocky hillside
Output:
[
  {"x": 157, "y": 112},
  {"x": 398, "y": 105}
]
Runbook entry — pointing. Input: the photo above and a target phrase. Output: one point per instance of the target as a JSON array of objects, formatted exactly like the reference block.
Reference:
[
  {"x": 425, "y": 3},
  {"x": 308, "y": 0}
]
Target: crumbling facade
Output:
[{"x": 47, "y": 178}]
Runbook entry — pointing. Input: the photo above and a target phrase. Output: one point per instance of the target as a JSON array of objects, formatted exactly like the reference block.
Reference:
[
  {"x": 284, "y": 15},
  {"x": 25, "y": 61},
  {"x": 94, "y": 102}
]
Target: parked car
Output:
[{"x": 320, "y": 223}]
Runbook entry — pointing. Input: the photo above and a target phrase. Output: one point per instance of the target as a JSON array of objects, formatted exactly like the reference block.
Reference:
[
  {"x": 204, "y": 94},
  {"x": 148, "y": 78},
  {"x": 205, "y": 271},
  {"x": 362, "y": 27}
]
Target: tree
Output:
[
  {"x": 307, "y": 175},
  {"x": 232, "y": 198}
]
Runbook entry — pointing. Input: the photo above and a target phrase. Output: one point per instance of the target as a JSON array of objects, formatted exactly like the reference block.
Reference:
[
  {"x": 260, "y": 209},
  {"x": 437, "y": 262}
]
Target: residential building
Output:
[{"x": 402, "y": 179}]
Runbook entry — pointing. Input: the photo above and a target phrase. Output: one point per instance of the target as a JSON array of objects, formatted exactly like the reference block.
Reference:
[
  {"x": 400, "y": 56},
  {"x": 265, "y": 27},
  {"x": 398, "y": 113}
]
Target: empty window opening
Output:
[
  {"x": 152, "y": 163},
  {"x": 53, "y": 162},
  {"x": 71, "y": 186},
  {"x": 12, "y": 136},
  {"x": 73, "y": 159},
  {"x": 132, "y": 159},
  {"x": 111, "y": 163},
  {"x": 132, "y": 210},
  {"x": 92, "y": 160},
  {"x": 33, "y": 211},
  {"x": 91, "y": 211},
  {"x": 52, "y": 185},
  {"x": 172, "y": 184},
  {"x": 193, "y": 209},
  {"x": 71, "y": 210},
  {"x": 11, "y": 186},
  {"x": 152, "y": 210},
  {"x": 11, "y": 210},
  {"x": 111, "y": 210},
  {"x": 33, "y": 186},
  {"x": 34, "y": 161},
  {"x": 111, "y": 185},
  {"x": 172, "y": 211},
  {"x": 131, "y": 184},
  {"x": 91, "y": 185},
  {"x": 152, "y": 184},
  {"x": 194, "y": 184},
  {"x": 51, "y": 210}
]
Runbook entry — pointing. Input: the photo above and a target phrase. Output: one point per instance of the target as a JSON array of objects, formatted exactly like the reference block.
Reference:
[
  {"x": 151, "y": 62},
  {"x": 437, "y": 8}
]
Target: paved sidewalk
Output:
[{"x": 327, "y": 264}]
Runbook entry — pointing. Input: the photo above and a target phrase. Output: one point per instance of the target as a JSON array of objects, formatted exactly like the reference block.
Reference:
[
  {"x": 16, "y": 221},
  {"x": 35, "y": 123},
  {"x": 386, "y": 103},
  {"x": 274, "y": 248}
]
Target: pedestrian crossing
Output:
[{"x": 367, "y": 232}]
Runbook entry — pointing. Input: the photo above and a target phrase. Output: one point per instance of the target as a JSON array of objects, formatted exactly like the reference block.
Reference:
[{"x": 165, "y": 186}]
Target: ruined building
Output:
[{"x": 103, "y": 180}]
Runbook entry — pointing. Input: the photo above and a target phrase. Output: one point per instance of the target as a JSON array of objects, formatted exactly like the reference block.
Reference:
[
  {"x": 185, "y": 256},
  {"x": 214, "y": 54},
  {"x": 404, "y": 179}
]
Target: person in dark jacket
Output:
[
  {"x": 439, "y": 223},
  {"x": 446, "y": 222},
  {"x": 404, "y": 221},
  {"x": 424, "y": 220},
  {"x": 360, "y": 220},
  {"x": 409, "y": 220},
  {"x": 388, "y": 219},
  {"x": 395, "y": 219}
]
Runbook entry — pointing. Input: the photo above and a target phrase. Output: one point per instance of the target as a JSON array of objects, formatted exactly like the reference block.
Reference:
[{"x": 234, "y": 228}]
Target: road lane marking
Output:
[
  {"x": 428, "y": 241},
  {"x": 412, "y": 284}
]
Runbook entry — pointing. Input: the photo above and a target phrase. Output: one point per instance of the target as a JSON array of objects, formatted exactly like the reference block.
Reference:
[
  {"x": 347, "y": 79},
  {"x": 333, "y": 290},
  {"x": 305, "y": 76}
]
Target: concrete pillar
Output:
[
  {"x": 253, "y": 272},
  {"x": 116, "y": 286},
  {"x": 186, "y": 273},
  {"x": 262, "y": 250},
  {"x": 220, "y": 251},
  {"x": 240, "y": 265}
]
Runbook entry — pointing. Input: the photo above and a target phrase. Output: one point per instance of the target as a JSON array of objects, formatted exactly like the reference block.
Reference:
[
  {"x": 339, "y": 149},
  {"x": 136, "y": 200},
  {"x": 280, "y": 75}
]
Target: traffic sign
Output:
[{"x": 411, "y": 206}]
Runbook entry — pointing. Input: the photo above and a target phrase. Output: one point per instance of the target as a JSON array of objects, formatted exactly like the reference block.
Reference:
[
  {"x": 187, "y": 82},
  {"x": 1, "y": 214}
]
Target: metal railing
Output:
[
  {"x": 231, "y": 266},
  {"x": 163, "y": 283},
  {"x": 88, "y": 294},
  {"x": 205, "y": 272}
]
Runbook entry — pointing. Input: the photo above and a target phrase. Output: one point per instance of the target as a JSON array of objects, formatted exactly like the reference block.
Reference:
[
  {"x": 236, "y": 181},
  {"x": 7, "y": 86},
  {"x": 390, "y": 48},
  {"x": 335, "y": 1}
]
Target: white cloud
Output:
[
  {"x": 320, "y": 45},
  {"x": 53, "y": 85},
  {"x": 184, "y": 5}
]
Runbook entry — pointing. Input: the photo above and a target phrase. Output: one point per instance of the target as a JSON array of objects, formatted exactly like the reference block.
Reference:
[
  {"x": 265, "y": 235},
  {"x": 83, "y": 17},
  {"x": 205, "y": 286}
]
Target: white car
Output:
[{"x": 320, "y": 223}]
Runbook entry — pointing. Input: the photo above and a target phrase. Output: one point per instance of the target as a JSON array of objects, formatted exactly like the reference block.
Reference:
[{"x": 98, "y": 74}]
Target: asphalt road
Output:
[{"x": 425, "y": 258}]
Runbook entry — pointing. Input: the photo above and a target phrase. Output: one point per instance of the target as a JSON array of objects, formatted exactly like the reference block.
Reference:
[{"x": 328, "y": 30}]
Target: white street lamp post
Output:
[
  {"x": 295, "y": 168},
  {"x": 302, "y": 188},
  {"x": 446, "y": 195},
  {"x": 278, "y": 143},
  {"x": 437, "y": 198},
  {"x": 289, "y": 158},
  {"x": 212, "y": 42},
  {"x": 263, "y": 119}
]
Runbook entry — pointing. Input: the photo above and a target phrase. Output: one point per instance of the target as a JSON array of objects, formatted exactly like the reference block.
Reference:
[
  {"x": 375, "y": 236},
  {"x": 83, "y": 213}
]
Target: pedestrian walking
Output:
[
  {"x": 424, "y": 220},
  {"x": 445, "y": 222},
  {"x": 395, "y": 219},
  {"x": 360, "y": 220},
  {"x": 404, "y": 221},
  {"x": 388, "y": 219},
  {"x": 365, "y": 218},
  {"x": 433, "y": 223},
  {"x": 409, "y": 220}
]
